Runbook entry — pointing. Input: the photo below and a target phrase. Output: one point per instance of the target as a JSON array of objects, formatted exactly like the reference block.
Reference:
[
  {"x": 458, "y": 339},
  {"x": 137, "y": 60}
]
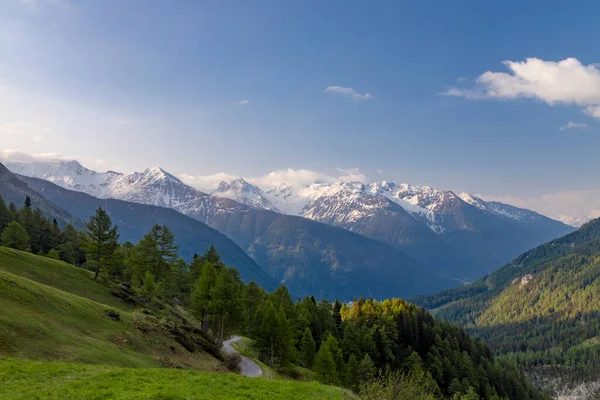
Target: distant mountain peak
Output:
[{"x": 241, "y": 191}]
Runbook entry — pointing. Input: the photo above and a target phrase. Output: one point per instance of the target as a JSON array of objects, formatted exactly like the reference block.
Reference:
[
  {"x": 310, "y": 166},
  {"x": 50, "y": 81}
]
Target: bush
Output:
[
  {"x": 232, "y": 361},
  {"x": 112, "y": 314}
]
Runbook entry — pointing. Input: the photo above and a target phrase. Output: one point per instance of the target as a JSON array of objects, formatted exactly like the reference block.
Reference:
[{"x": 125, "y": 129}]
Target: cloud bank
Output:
[{"x": 562, "y": 82}]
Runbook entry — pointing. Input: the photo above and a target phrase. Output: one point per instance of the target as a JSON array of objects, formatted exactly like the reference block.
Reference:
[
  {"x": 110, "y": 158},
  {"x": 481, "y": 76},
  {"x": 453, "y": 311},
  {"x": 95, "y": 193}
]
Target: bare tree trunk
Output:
[
  {"x": 205, "y": 321},
  {"x": 272, "y": 351}
]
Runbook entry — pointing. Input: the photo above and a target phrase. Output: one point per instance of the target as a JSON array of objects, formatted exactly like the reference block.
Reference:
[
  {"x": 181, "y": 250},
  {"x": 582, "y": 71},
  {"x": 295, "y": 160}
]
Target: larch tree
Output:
[
  {"x": 325, "y": 365},
  {"x": 308, "y": 349},
  {"x": 201, "y": 293},
  {"x": 15, "y": 237},
  {"x": 100, "y": 240}
]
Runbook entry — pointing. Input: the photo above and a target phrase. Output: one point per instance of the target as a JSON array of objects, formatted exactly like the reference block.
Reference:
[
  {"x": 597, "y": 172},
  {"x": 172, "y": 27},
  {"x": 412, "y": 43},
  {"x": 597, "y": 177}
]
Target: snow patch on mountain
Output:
[
  {"x": 575, "y": 222},
  {"x": 245, "y": 193}
]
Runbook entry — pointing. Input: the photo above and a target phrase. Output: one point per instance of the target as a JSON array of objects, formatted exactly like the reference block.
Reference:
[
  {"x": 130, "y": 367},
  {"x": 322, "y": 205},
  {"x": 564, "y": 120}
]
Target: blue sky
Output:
[{"x": 240, "y": 87}]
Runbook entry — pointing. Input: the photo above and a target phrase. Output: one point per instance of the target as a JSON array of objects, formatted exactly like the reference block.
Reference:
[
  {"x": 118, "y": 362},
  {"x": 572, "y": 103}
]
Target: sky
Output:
[{"x": 500, "y": 99}]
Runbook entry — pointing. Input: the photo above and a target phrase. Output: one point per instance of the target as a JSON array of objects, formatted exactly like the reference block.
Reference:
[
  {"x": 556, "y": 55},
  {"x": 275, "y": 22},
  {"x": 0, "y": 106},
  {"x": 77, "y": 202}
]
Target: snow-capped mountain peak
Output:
[{"x": 245, "y": 193}]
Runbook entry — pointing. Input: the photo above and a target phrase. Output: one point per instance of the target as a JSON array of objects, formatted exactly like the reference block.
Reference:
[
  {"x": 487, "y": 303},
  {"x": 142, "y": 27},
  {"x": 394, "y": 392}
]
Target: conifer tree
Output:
[
  {"x": 224, "y": 301},
  {"x": 325, "y": 365},
  {"x": 201, "y": 294},
  {"x": 100, "y": 241},
  {"x": 307, "y": 349},
  {"x": 157, "y": 253},
  {"x": 5, "y": 216},
  {"x": 15, "y": 236},
  {"x": 366, "y": 369},
  {"x": 352, "y": 373}
]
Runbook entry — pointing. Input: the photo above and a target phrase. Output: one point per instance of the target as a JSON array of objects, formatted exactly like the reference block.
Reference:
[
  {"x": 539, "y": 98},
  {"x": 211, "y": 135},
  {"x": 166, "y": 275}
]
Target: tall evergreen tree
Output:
[
  {"x": 5, "y": 216},
  {"x": 201, "y": 294},
  {"x": 157, "y": 253},
  {"x": 352, "y": 373},
  {"x": 100, "y": 241},
  {"x": 366, "y": 369},
  {"x": 325, "y": 365},
  {"x": 308, "y": 349},
  {"x": 15, "y": 236}
]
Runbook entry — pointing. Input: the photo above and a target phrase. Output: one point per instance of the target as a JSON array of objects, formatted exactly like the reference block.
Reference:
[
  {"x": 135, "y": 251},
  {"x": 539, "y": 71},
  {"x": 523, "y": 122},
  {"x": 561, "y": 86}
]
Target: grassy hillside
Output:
[
  {"x": 57, "y": 274},
  {"x": 27, "y": 379},
  {"x": 52, "y": 310}
]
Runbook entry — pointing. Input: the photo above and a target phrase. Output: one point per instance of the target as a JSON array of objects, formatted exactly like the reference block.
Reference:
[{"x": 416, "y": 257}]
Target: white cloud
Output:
[
  {"x": 242, "y": 102},
  {"x": 573, "y": 125},
  {"x": 563, "y": 82},
  {"x": 348, "y": 92},
  {"x": 352, "y": 175},
  {"x": 15, "y": 155},
  {"x": 206, "y": 183},
  {"x": 289, "y": 176},
  {"x": 293, "y": 177},
  {"x": 37, "y": 138},
  {"x": 577, "y": 203}
]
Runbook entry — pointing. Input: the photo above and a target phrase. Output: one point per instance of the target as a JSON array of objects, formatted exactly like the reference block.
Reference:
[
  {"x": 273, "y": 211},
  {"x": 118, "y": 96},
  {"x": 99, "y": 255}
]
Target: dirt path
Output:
[{"x": 247, "y": 367}]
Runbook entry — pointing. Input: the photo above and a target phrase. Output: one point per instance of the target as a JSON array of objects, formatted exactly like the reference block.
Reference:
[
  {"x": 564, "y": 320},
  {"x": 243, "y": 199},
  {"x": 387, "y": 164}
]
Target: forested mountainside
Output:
[
  {"x": 188, "y": 309},
  {"x": 136, "y": 219},
  {"x": 543, "y": 309},
  {"x": 310, "y": 257}
]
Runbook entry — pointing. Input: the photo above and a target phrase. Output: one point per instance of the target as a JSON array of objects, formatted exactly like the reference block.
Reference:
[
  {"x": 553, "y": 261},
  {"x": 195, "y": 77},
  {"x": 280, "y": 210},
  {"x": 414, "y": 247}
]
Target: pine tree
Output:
[
  {"x": 15, "y": 236},
  {"x": 366, "y": 369},
  {"x": 325, "y": 365},
  {"x": 157, "y": 253},
  {"x": 337, "y": 318},
  {"x": 224, "y": 301},
  {"x": 352, "y": 371},
  {"x": 201, "y": 294},
  {"x": 308, "y": 349},
  {"x": 5, "y": 216},
  {"x": 284, "y": 338},
  {"x": 100, "y": 241},
  {"x": 150, "y": 289},
  {"x": 265, "y": 332}
]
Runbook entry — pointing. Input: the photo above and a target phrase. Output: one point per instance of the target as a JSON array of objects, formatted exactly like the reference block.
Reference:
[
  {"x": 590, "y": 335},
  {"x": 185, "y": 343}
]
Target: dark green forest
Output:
[
  {"x": 346, "y": 345},
  {"x": 542, "y": 310}
]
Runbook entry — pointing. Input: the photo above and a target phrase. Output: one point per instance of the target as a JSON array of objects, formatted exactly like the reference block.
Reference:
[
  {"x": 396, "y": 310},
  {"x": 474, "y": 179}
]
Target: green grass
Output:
[
  {"x": 41, "y": 322},
  {"x": 57, "y": 274},
  {"x": 53, "y": 380}
]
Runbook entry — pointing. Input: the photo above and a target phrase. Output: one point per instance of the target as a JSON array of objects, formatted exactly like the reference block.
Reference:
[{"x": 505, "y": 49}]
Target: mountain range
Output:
[
  {"x": 310, "y": 257},
  {"x": 459, "y": 236}
]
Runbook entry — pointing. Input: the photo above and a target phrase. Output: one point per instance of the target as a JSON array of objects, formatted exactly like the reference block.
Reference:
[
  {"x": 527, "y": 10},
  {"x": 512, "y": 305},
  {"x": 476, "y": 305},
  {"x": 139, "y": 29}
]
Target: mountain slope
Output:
[
  {"x": 457, "y": 235},
  {"x": 316, "y": 259},
  {"x": 542, "y": 309},
  {"x": 135, "y": 220},
  {"x": 70, "y": 321},
  {"x": 13, "y": 190}
]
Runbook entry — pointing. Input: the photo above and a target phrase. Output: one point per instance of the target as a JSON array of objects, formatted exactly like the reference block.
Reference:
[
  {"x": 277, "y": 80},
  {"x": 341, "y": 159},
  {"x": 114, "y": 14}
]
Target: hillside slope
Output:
[
  {"x": 72, "y": 322},
  {"x": 27, "y": 379},
  {"x": 543, "y": 309},
  {"x": 135, "y": 220}
]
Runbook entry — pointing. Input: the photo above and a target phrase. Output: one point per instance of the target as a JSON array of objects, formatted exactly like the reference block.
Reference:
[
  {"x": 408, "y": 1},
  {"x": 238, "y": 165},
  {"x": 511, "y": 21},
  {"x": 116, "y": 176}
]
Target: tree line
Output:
[{"x": 348, "y": 345}]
